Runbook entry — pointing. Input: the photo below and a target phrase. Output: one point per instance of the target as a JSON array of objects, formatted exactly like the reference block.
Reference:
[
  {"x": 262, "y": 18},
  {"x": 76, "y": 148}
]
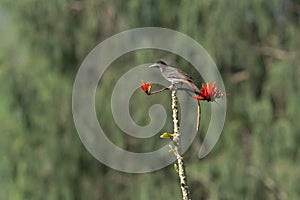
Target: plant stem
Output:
[{"x": 176, "y": 139}]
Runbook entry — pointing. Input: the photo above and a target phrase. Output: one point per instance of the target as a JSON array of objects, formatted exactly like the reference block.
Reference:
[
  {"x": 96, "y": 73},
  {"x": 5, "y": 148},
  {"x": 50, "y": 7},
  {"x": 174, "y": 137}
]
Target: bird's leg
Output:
[
  {"x": 181, "y": 84},
  {"x": 172, "y": 86}
]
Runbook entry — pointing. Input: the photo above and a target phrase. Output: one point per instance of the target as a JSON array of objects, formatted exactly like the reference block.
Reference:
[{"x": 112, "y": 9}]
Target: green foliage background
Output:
[{"x": 255, "y": 44}]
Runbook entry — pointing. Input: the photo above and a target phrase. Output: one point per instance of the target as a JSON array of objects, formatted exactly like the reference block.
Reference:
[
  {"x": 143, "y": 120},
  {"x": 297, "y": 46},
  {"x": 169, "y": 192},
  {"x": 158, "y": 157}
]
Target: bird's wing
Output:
[{"x": 177, "y": 73}]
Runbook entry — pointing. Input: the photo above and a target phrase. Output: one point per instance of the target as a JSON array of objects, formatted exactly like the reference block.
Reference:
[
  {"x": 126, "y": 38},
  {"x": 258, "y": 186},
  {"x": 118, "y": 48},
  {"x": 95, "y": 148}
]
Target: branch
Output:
[
  {"x": 176, "y": 139},
  {"x": 158, "y": 91},
  {"x": 198, "y": 117},
  {"x": 188, "y": 91}
]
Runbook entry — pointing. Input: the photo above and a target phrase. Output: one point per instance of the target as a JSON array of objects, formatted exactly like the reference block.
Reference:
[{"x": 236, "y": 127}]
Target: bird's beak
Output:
[{"x": 154, "y": 65}]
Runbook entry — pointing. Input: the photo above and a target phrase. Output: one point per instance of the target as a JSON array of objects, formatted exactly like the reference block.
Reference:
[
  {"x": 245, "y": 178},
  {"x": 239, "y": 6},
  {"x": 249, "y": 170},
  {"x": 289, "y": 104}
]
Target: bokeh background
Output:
[{"x": 255, "y": 44}]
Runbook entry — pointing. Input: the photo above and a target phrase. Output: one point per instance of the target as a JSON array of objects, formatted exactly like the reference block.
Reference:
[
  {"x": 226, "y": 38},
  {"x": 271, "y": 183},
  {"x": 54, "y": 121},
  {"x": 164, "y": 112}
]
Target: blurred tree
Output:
[{"x": 255, "y": 45}]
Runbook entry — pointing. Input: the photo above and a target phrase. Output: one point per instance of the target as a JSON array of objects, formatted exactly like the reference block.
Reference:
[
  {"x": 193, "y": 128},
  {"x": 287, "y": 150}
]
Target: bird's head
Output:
[{"x": 158, "y": 64}]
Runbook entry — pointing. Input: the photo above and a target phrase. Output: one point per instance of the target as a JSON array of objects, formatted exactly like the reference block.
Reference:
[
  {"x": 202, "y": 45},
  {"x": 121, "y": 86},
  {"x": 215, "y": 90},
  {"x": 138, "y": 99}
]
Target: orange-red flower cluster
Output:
[
  {"x": 209, "y": 92},
  {"x": 146, "y": 87}
]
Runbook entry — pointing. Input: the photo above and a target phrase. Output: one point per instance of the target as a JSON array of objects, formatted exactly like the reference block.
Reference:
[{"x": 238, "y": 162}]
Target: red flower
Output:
[
  {"x": 146, "y": 87},
  {"x": 209, "y": 92}
]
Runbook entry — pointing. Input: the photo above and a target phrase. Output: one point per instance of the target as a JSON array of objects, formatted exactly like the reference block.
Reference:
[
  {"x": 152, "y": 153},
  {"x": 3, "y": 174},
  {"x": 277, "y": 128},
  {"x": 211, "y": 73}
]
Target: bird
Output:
[{"x": 174, "y": 75}]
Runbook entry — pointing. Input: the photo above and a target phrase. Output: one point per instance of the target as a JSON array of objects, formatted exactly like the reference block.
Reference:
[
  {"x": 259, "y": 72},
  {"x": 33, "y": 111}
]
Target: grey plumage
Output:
[{"x": 174, "y": 75}]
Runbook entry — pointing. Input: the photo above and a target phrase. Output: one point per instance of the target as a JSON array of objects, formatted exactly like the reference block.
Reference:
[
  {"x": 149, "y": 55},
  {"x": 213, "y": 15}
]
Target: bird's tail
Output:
[{"x": 192, "y": 85}]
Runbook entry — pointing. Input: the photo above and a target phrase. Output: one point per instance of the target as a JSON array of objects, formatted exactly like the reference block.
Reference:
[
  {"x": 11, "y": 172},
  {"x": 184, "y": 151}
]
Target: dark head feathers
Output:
[{"x": 161, "y": 62}]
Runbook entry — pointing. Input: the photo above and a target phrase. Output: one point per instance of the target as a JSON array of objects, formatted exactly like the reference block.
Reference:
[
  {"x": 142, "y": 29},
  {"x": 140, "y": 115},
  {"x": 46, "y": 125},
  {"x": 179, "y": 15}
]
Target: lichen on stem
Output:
[{"x": 177, "y": 144}]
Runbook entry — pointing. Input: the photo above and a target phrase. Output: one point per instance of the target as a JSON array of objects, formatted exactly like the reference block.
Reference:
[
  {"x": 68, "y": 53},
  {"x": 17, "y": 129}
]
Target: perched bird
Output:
[{"x": 174, "y": 75}]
